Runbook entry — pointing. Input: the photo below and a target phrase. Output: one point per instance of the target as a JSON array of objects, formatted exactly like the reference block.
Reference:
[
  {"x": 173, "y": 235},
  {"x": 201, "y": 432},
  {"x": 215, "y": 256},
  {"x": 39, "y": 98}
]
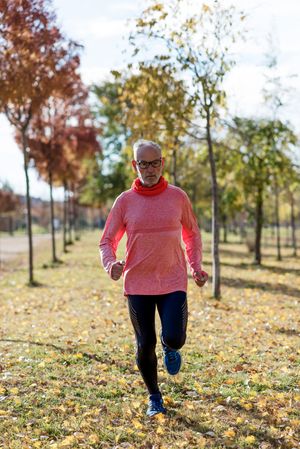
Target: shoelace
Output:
[
  {"x": 156, "y": 404},
  {"x": 172, "y": 356}
]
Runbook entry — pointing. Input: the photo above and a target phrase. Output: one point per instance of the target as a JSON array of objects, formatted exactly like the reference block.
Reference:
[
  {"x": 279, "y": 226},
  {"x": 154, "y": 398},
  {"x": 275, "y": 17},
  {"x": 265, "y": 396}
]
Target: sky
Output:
[{"x": 102, "y": 27}]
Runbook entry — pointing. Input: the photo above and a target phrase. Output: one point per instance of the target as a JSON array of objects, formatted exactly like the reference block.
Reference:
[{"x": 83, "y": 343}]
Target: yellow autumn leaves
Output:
[
  {"x": 231, "y": 433},
  {"x": 240, "y": 370},
  {"x": 72, "y": 441}
]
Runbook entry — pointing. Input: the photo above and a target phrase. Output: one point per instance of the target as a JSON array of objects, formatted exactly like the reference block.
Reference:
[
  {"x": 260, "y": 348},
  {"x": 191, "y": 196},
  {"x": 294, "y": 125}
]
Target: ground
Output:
[
  {"x": 68, "y": 376},
  {"x": 12, "y": 246}
]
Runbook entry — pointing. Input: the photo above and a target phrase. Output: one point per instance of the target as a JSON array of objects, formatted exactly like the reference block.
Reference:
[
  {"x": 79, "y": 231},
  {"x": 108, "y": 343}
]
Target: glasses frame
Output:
[{"x": 148, "y": 163}]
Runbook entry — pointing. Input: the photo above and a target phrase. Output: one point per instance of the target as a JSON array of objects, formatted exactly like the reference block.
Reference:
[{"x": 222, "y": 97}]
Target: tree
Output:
[
  {"x": 81, "y": 147},
  {"x": 231, "y": 198},
  {"x": 291, "y": 183},
  {"x": 48, "y": 133},
  {"x": 259, "y": 161},
  {"x": 108, "y": 172},
  {"x": 145, "y": 104},
  {"x": 9, "y": 203},
  {"x": 197, "y": 45},
  {"x": 156, "y": 107},
  {"x": 293, "y": 224},
  {"x": 35, "y": 62},
  {"x": 275, "y": 95}
]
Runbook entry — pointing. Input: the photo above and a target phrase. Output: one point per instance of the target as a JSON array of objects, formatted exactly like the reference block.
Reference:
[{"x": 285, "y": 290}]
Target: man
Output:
[{"x": 155, "y": 215}]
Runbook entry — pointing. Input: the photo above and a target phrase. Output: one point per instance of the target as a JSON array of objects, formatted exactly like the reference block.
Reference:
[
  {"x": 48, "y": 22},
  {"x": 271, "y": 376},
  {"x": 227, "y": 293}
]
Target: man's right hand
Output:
[
  {"x": 117, "y": 269},
  {"x": 200, "y": 277}
]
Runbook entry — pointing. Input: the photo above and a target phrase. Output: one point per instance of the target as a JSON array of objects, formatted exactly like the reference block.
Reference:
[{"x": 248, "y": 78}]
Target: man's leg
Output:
[
  {"x": 142, "y": 315},
  {"x": 173, "y": 312}
]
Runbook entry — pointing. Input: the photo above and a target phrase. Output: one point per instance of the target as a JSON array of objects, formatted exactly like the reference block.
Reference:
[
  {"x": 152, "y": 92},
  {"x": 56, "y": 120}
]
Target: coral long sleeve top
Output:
[{"x": 155, "y": 263}]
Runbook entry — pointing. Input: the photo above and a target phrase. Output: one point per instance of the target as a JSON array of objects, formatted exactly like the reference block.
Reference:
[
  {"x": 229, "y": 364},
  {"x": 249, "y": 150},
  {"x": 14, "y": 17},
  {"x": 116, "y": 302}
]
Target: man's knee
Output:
[
  {"x": 174, "y": 341},
  {"x": 146, "y": 347}
]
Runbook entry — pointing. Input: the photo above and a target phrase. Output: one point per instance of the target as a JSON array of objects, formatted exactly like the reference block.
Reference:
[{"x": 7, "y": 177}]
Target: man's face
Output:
[{"x": 150, "y": 175}]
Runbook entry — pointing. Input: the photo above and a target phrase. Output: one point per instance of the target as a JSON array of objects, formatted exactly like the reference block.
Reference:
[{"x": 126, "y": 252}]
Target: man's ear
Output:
[
  {"x": 133, "y": 164},
  {"x": 162, "y": 162}
]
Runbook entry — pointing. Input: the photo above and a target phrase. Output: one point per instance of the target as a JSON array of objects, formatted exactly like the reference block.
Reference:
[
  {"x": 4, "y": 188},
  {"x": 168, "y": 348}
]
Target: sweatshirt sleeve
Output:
[
  {"x": 191, "y": 236},
  {"x": 113, "y": 232}
]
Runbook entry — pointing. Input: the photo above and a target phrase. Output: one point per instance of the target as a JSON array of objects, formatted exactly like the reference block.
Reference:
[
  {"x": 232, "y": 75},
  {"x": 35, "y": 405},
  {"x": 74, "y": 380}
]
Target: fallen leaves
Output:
[
  {"x": 239, "y": 384},
  {"x": 137, "y": 424},
  {"x": 230, "y": 433},
  {"x": 249, "y": 440}
]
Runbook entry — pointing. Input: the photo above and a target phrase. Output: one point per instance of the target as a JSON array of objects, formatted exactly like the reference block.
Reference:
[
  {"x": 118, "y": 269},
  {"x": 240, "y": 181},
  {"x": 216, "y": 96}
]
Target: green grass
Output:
[{"x": 68, "y": 375}]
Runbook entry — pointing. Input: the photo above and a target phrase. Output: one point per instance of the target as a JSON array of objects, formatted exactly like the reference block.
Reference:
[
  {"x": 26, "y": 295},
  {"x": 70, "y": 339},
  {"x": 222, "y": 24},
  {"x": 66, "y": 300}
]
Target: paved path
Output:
[{"x": 11, "y": 247}]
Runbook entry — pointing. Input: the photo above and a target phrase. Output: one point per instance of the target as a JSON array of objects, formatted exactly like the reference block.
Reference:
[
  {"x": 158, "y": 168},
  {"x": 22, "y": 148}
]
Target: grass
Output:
[
  {"x": 36, "y": 229},
  {"x": 68, "y": 377}
]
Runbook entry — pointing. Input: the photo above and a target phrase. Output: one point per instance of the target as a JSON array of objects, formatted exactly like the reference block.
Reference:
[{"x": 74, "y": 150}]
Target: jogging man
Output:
[{"x": 154, "y": 215}]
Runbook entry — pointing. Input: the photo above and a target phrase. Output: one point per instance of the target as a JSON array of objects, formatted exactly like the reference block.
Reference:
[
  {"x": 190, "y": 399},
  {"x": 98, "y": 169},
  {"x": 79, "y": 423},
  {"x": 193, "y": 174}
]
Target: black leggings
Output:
[{"x": 172, "y": 309}]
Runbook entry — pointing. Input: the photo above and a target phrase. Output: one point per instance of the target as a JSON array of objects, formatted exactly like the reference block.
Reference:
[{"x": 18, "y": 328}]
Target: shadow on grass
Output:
[
  {"x": 273, "y": 269},
  {"x": 194, "y": 424},
  {"x": 231, "y": 253},
  {"x": 58, "y": 348},
  {"x": 262, "y": 432},
  {"x": 34, "y": 284},
  {"x": 267, "y": 421},
  {"x": 289, "y": 332},
  {"x": 273, "y": 288},
  {"x": 53, "y": 264}
]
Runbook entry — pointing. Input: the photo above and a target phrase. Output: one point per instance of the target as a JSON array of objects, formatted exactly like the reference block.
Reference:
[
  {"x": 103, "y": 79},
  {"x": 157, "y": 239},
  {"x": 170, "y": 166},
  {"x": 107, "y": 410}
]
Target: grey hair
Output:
[{"x": 144, "y": 143}]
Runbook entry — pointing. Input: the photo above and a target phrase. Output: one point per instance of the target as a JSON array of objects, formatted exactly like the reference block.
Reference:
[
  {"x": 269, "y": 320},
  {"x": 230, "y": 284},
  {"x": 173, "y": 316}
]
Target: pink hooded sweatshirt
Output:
[{"x": 154, "y": 262}]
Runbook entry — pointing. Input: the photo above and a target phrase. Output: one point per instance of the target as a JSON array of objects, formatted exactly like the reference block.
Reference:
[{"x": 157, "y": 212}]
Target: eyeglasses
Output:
[{"x": 145, "y": 164}]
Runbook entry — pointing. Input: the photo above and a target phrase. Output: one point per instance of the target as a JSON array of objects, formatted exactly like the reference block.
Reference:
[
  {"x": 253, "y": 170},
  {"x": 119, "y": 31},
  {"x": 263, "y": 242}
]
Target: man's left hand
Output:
[{"x": 200, "y": 277}]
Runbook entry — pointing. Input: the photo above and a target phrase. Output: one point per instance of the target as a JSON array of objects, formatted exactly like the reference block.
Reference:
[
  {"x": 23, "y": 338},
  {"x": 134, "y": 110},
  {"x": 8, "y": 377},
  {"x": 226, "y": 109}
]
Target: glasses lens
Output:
[
  {"x": 145, "y": 164},
  {"x": 156, "y": 163},
  {"x": 142, "y": 164}
]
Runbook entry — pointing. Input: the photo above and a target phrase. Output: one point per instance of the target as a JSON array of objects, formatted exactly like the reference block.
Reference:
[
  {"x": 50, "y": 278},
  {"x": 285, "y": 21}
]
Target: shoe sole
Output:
[{"x": 158, "y": 413}]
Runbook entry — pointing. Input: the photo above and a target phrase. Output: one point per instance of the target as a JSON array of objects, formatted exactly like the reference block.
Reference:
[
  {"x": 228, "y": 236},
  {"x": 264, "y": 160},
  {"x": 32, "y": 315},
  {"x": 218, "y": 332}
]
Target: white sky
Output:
[{"x": 101, "y": 26}]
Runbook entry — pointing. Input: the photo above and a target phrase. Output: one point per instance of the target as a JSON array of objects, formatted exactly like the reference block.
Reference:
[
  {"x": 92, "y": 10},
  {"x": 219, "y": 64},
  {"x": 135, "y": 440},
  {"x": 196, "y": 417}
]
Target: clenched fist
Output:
[
  {"x": 200, "y": 277},
  {"x": 117, "y": 269}
]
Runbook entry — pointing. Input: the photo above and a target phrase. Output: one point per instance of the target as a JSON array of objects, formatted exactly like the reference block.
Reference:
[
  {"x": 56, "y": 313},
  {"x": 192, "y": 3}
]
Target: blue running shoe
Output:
[
  {"x": 172, "y": 359},
  {"x": 155, "y": 405}
]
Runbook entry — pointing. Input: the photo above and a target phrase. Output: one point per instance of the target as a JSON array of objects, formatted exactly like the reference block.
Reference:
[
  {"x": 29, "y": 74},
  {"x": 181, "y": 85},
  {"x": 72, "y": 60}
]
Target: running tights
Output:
[{"x": 173, "y": 313}]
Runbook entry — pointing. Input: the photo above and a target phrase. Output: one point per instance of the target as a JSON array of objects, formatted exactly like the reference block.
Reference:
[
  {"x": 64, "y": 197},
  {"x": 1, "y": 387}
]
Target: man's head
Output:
[{"x": 148, "y": 162}]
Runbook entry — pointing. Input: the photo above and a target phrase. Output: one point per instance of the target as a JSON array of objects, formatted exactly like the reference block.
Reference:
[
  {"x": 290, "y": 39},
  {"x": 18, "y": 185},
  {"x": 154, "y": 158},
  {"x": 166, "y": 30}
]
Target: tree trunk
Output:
[
  {"x": 259, "y": 224},
  {"x": 242, "y": 230},
  {"x": 28, "y": 205},
  {"x": 65, "y": 220},
  {"x": 224, "y": 219},
  {"x": 54, "y": 258},
  {"x": 11, "y": 225},
  {"x": 277, "y": 221},
  {"x": 287, "y": 235},
  {"x": 293, "y": 226},
  {"x": 264, "y": 236},
  {"x": 75, "y": 221},
  {"x": 69, "y": 219},
  {"x": 216, "y": 287},
  {"x": 272, "y": 231},
  {"x": 75, "y": 217}
]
